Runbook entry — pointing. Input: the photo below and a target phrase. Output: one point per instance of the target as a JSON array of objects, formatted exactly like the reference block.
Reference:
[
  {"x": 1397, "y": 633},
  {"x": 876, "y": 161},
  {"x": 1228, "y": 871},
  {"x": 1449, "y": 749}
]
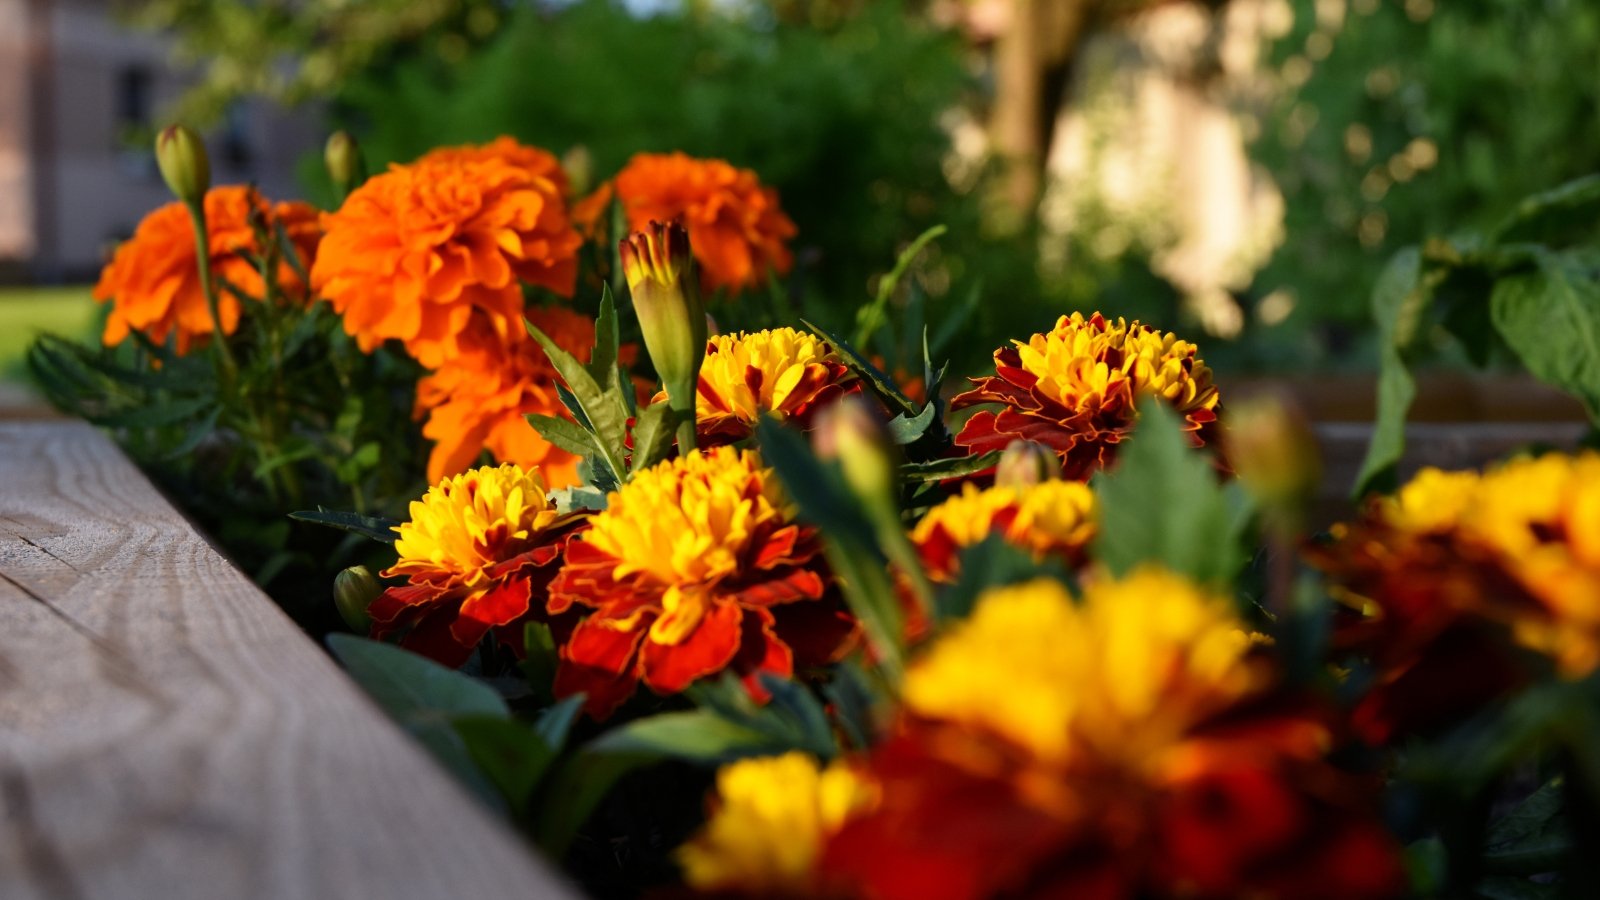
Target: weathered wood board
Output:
[{"x": 166, "y": 732}]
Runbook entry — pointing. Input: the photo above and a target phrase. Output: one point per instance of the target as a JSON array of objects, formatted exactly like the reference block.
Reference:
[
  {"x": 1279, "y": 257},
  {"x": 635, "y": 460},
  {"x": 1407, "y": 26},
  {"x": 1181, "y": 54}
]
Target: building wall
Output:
[
  {"x": 16, "y": 194},
  {"x": 90, "y": 186}
]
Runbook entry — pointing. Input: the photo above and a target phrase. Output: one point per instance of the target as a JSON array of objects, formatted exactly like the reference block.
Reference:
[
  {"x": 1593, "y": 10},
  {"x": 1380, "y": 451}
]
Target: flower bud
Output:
[
  {"x": 848, "y": 432},
  {"x": 354, "y": 589},
  {"x": 1272, "y": 449},
  {"x": 346, "y": 167},
  {"x": 666, "y": 297},
  {"x": 181, "y": 156},
  {"x": 578, "y": 164},
  {"x": 1025, "y": 464}
]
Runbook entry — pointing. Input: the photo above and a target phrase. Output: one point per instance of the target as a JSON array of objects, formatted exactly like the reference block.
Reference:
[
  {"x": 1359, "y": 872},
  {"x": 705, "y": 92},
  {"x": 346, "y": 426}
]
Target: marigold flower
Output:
[
  {"x": 1445, "y": 577},
  {"x": 416, "y": 252},
  {"x": 1131, "y": 744},
  {"x": 153, "y": 280},
  {"x": 477, "y": 553},
  {"x": 780, "y": 372},
  {"x": 767, "y": 825},
  {"x": 481, "y": 399},
  {"x": 1053, "y": 518},
  {"x": 694, "y": 567},
  {"x": 737, "y": 230},
  {"x": 1076, "y": 388}
]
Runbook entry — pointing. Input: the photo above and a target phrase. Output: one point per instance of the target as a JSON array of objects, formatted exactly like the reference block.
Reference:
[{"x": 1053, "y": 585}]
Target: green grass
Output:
[{"x": 27, "y": 311}]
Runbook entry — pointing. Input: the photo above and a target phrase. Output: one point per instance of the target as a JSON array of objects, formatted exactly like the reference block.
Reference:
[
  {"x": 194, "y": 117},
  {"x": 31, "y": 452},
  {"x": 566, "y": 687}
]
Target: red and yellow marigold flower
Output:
[
  {"x": 695, "y": 567},
  {"x": 1444, "y": 580},
  {"x": 738, "y": 231},
  {"x": 1131, "y": 744},
  {"x": 1053, "y": 518},
  {"x": 767, "y": 825},
  {"x": 480, "y": 400},
  {"x": 153, "y": 281},
  {"x": 1076, "y": 389},
  {"x": 477, "y": 553},
  {"x": 417, "y": 252},
  {"x": 779, "y": 372}
]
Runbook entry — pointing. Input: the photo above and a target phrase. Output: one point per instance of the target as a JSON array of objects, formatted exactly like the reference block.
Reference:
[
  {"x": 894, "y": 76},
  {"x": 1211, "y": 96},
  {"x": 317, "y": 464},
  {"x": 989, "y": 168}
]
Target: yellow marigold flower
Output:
[
  {"x": 477, "y": 548},
  {"x": 780, "y": 371},
  {"x": 1076, "y": 388},
  {"x": 1121, "y": 675},
  {"x": 694, "y": 567},
  {"x": 1050, "y": 518},
  {"x": 768, "y": 823}
]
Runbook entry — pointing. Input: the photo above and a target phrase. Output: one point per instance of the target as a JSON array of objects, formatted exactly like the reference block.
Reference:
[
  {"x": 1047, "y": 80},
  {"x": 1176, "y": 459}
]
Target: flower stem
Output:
[{"x": 202, "y": 249}]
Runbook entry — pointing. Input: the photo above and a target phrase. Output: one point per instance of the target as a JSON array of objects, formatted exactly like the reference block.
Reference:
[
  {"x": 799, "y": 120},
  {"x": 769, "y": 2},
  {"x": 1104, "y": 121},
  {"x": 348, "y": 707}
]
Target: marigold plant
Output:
[
  {"x": 767, "y": 824},
  {"x": 477, "y": 553},
  {"x": 1125, "y": 745},
  {"x": 480, "y": 400},
  {"x": 1054, "y": 518},
  {"x": 778, "y": 372},
  {"x": 153, "y": 280},
  {"x": 694, "y": 567},
  {"x": 1444, "y": 578},
  {"x": 1076, "y": 389},
  {"x": 739, "y": 232},
  {"x": 417, "y": 252}
]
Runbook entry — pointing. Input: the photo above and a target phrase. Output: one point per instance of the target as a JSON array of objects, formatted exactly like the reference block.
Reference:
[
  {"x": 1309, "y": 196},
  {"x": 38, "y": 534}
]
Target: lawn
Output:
[{"x": 27, "y": 311}]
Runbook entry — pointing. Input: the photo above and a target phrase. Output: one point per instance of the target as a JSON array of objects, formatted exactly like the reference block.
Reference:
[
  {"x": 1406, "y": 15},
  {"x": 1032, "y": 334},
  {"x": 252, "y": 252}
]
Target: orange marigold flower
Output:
[
  {"x": 1130, "y": 744},
  {"x": 153, "y": 281},
  {"x": 780, "y": 372},
  {"x": 694, "y": 567},
  {"x": 416, "y": 252},
  {"x": 480, "y": 400},
  {"x": 768, "y": 821},
  {"x": 477, "y": 555},
  {"x": 736, "y": 228},
  {"x": 1445, "y": 579},
  {"x": 536, "y": 161},
  {"x": 1052, "y": 518},
  {"x": 1076, "y": 388}
]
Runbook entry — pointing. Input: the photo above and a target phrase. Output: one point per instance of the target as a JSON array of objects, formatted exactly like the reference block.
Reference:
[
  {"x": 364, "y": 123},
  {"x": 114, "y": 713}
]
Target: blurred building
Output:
[{"x": 79, "y": 97}]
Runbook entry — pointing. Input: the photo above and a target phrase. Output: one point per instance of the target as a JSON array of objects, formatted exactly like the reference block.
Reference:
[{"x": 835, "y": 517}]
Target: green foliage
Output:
[{"x": 1423, "y": 119}]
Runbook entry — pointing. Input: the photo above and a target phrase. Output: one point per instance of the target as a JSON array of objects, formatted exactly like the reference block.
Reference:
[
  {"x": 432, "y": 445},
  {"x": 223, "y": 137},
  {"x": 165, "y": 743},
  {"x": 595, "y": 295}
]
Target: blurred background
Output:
[{"x": 1238, "y": 170}]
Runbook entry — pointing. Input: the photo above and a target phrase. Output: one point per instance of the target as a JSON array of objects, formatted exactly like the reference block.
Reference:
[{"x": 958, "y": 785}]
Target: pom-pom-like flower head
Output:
[
  {"x": 1076, "y": 389},
  {"x": 1053, "y": 518},
  {"x": 694, "y": 567},
  {"x": 477, "y": 553},
  {"x": 781, "y": 372},
  {"x": 415, "y": 253},
  {"x": 153, "y": 281}
]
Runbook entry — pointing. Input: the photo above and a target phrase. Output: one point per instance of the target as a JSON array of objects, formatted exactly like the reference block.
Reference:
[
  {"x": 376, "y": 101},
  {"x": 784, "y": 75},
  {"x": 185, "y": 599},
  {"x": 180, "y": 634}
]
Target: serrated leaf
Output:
[
  {"x": 605, "y": 412},
  {"x": 376, "y": 527},
  {"x": 603, "y": 359},
  {"x": 1395, "y": 302},
  {"x": 653, "y": 433},
  {"x": 568, "y": 435},
  {"x": 907, "y": 429},
  {"x": 881, "y": 384},
  {"x": 950, "y": 467},
  {"x": 1551, "y": 318},
  {"x": 1162, "y": 504}
]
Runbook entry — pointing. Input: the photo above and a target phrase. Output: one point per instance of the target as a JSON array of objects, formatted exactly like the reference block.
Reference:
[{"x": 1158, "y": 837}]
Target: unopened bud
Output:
[
  {"x": 354, "y": 589},
  {"x": 181, "y": 157},
  {"x": 346, "y": 167},
  {"x": 848, "y": 432},
  {"x": 666, "y": 297},
  {"x": 578, "y": 163},
  {"x": 1025, "y": 464},
  {"x": 1272, "y": 449}
]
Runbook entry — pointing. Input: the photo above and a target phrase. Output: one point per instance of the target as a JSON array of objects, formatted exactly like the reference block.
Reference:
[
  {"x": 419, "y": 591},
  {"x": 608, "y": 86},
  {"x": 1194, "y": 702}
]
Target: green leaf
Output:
[
  {"x": 411, "y": 687},
  {"x": 165, "y": 412},
  {"x": 555, "y": 722},
  {"x": 905, "y": 429},
  {"x": 880, "y": 383},
  {"x": 950, "y": 467},
  {"x": 1162, "y": 504},
  {"x": 539, "y": 665},
  {"x": 1574, "y": 195},
  {"x": 871, "y": 316},
  {"x": 990, "y": 563},
  {"x": 513, "y": 756},
  {"x": 1506, "y": 888},
  {"x": 1400, "y": 293},
  {"x": 605, "y": 411},
  {"x": 375, "y": 527},
  {"x": 1551, "y": 318},
  {"x": 699, "y": 735},
  {"x": 569, "y": 436},
  {"x": 578, "y": 499},
  {"x": 1530, "y": 817},
  {"x": 570, "y": 793},
  {"x": 603, "y": 359},
  {"x": 653, "y": 433}
]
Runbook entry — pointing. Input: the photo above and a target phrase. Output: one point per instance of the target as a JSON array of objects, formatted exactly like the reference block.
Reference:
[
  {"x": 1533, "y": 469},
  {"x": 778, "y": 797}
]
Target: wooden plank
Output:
[{"x": 166, "y": 732}]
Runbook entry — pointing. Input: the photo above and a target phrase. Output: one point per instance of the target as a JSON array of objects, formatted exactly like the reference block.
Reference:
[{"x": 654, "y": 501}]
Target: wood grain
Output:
[{"x": 166, "y": 732}]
